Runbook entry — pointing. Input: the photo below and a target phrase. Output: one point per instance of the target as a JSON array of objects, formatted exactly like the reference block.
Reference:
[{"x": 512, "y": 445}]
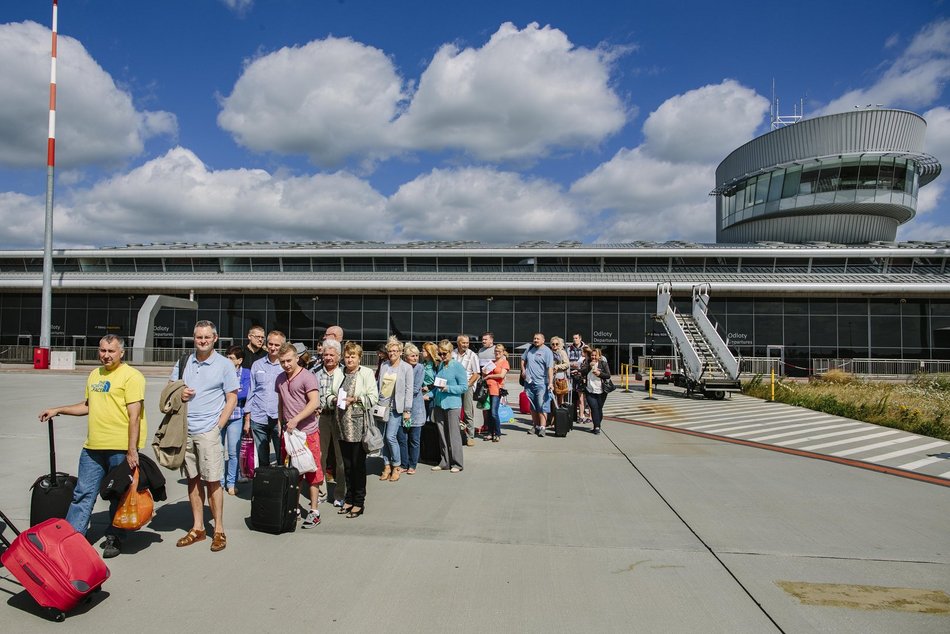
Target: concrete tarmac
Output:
[{"x": 635, "y": 530}]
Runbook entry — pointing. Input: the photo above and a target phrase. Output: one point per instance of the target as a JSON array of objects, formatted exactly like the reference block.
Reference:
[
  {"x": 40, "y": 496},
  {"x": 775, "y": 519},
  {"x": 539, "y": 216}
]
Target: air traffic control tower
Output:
[{"x": 848, "y": 178}]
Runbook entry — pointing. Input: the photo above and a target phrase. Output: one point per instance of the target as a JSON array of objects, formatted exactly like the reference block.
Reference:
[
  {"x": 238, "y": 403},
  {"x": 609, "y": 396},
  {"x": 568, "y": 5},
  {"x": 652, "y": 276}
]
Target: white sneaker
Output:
[
  {"x": 313, "y": 519},
  {"x": 338, "y": 503}
]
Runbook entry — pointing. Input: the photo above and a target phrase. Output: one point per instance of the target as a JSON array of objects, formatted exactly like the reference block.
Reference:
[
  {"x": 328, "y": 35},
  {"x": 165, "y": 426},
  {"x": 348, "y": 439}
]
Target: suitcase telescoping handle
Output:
[{"x": 52, "y": 454}]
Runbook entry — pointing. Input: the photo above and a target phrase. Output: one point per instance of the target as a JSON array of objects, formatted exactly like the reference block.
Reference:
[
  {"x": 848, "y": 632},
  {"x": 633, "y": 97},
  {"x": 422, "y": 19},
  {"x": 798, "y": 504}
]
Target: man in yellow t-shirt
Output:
[{"x": 117, "y": 429}]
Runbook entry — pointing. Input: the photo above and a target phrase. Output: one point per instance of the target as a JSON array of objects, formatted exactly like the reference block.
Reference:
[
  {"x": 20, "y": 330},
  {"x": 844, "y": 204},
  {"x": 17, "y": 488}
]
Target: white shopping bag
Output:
[{"x": 295, "y": 442}]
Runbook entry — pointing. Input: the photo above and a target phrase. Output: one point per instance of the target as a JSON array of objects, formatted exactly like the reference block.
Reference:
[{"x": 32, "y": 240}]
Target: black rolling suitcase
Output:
[
  {"x": 564, "y": 417},
  {"x": 430, "y": 449},
  {"x": 52, "y": 492},
  {"x": 275, "y": 494}
]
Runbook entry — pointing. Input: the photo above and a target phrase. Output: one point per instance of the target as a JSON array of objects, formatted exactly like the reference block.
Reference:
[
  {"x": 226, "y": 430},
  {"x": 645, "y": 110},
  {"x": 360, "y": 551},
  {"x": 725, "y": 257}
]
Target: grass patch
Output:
[{"x": 920, "y": 406}]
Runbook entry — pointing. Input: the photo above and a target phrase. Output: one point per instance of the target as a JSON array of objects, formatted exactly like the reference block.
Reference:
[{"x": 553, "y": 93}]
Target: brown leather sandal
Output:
[
  {"x": 218, "y": 542},
  {"x": 192, "y": 537}
]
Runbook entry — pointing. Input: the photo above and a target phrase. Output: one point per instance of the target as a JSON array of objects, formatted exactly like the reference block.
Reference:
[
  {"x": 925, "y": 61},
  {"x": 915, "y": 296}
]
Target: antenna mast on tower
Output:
[{"x": 776, "y": 120}]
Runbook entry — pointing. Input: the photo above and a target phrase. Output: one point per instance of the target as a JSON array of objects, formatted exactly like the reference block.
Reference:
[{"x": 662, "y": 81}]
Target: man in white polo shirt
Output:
[{"x": 211, "y": 388}]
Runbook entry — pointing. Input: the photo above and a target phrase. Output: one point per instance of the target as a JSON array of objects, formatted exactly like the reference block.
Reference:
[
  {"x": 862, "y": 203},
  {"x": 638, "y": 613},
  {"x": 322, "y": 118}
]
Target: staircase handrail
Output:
[
  {"x": 710, "y": 331},
  {"x": 666, "y": 314}
]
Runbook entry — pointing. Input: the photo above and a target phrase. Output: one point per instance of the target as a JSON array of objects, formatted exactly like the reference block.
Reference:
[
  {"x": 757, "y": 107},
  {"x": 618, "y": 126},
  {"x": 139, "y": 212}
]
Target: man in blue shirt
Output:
[
  {"x": 211, "y": 388},
  {"x": 260, "y": 417},
  {"x": 537, "y": 373}
]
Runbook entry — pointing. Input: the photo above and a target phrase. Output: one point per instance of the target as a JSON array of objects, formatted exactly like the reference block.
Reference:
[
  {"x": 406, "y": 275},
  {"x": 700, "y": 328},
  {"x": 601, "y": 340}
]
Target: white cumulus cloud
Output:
[
  {"x": 660, "y": 189},
  {"x": 329, "y": 100},
  {"x": 651, "y": 198},
  {"x": 176, "y": 197},
  {"x": 482, "y": 204},
  {"x": 704, "y": 124},
  {"x": 519, "y": 96},
  {"x": 914, "y": 79},
  {"x": 96, "y": 121}
]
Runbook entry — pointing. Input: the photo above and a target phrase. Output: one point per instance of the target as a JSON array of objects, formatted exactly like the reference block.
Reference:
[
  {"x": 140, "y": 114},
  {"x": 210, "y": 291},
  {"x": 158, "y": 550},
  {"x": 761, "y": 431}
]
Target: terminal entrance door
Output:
[
  {"x": 776, "y": 355},
  {"x": 636, "y": 352}
]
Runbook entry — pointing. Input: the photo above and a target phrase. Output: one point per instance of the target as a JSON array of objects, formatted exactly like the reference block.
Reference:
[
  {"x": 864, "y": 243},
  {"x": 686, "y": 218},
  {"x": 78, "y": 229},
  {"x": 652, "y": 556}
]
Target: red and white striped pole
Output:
[{"x": 41, "y": 354}]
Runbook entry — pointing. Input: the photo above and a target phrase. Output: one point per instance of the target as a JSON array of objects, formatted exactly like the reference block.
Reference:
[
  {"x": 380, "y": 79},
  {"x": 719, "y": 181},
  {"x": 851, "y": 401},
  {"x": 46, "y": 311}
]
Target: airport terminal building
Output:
[{"x": 805, "y": 268}]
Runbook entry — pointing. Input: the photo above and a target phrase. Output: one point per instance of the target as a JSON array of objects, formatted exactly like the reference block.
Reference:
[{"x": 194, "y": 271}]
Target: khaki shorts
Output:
[{"x": 204, "y": 456}]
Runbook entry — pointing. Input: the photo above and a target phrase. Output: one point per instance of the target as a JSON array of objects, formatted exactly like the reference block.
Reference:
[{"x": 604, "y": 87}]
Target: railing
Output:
[
  {"x": 882, "y": 367},
  {"x": 748, "y": 366},
  {"x": 751, "y": 366},
  {"x": 90, "y": 354}
]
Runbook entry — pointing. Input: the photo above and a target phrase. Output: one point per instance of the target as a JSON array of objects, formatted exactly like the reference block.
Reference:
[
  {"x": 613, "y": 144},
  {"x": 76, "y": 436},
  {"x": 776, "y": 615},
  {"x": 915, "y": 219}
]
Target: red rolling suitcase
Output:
[
  {"x": 55, "y": 564},
  {"x": 524, "y": 405}
]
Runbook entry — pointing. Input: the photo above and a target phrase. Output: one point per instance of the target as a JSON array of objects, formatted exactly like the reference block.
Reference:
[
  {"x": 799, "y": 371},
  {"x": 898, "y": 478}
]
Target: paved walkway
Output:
[
  {"x": 638, "y": 529},
  {"x": 797, "y": 430}
]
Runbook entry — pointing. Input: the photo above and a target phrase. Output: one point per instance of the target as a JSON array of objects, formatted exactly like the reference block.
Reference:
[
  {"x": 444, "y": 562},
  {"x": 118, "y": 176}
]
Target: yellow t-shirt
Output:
[{"x": 107, "y": 394}]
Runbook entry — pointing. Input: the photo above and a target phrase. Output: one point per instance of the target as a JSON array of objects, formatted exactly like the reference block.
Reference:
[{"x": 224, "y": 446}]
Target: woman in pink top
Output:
[{"x": 496, "y": 382}]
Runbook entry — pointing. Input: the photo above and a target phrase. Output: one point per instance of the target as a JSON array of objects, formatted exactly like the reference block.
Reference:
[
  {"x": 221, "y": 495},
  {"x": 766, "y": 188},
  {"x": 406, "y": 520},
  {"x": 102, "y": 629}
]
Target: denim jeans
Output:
[
  {"x": 390, "y": 442},
  {"x": 409, "y": 445},
  {"x": 231, "y": 437},
  {"x": 262, "y": 432},
  {"x": 94, "y": 464},
  {"x": 596, "y": 404},
  {"x": 495, "y": 424}
]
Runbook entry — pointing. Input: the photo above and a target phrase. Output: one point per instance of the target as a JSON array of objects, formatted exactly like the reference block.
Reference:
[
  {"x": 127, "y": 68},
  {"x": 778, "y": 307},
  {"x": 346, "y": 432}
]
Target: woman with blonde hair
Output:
[
  {"x": 359, "y": 387},
  {"x": 451, "y": 381},
  {"x": 430, "y": 357},
  {"x": 562, "y": 384},
  {"x": 410, "y": 433},
  {"x": 395, "y": 382}
]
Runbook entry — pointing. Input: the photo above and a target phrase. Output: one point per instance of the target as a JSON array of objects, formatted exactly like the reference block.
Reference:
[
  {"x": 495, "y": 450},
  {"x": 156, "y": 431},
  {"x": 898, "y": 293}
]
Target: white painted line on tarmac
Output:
[
  {"x": 802, "y": 431},
  {"x": 877, "y": 445},
  {"x": 727, "y": 418},
  {"x": 781, "y": 427},
  {"x": 904, "y": 452},
  {"x": 733, "y": 420},
  {"x": 945, "y": 475},
  {"x": 917, "y": 464},
  {"x": 821, "y": 436},
  {"x": 722, "y": 431},
  {"x": 848, "y": 441}
]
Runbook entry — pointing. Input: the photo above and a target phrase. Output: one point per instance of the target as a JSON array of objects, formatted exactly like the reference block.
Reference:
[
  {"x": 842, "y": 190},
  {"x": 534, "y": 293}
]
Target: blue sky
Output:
[{"x": 223, "y": 120}]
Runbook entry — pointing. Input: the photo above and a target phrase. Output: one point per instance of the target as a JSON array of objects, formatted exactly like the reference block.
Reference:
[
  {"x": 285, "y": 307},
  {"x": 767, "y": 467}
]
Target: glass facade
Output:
[
  {"x": 806, "y": 328},
  {"x": 866, "y": 179}
]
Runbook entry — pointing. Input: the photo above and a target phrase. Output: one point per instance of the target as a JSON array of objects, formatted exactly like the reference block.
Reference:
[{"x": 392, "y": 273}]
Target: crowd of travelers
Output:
[{"x": 270, "y": 387}]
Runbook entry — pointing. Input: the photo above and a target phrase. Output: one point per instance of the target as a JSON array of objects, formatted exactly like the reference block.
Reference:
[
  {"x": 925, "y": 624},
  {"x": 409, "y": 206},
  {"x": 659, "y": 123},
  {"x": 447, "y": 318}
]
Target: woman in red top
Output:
[{"x": 496, "y": 381}]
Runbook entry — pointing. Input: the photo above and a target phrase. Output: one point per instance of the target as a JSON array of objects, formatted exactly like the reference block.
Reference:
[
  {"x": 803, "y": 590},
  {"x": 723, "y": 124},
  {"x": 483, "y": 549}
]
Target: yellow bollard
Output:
[
  {"x": 773, "y": 385},
  {"x": 650, "y": 397}
]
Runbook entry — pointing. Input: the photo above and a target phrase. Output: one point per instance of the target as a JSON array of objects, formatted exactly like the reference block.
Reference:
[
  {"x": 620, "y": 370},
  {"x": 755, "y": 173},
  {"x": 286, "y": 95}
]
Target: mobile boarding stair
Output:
[{"x": 708, "y": 367}]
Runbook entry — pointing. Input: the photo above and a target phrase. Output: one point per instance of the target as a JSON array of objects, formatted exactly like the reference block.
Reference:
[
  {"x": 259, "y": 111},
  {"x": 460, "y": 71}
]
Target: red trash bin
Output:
[{"x": 40, "y": 358}]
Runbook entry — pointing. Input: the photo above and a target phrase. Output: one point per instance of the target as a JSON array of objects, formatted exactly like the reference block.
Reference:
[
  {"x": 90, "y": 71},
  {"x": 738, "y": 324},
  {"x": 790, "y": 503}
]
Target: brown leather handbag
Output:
[
  {"x": 136, "y": 507},
  {"x": 561, "y": 387}
]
